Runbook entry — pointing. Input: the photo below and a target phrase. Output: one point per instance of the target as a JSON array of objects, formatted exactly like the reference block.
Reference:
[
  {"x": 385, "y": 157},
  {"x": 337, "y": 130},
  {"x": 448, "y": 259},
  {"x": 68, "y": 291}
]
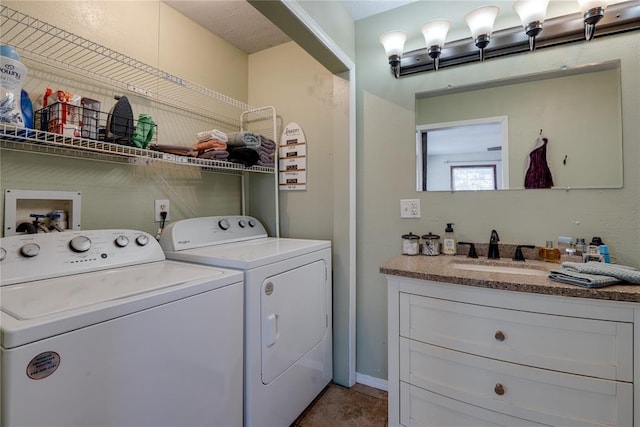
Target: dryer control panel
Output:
[
  {"x": 213, "y": 230},
  {"x": 29, "y": 257}
]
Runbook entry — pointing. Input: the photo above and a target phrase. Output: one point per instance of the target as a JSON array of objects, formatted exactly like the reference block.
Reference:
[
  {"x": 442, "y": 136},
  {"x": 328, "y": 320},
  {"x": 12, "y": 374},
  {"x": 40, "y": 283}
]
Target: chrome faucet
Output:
[{"x": 494, "y": 252}]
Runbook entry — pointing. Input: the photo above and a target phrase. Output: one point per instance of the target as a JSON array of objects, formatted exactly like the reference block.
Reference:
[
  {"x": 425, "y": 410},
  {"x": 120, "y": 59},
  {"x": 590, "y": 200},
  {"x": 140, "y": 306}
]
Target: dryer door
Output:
[{"x": 294, "y": 317}]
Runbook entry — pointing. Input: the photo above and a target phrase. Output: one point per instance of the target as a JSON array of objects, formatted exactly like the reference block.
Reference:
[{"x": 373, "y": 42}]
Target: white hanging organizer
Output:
[{"x": 292, "y": 166}]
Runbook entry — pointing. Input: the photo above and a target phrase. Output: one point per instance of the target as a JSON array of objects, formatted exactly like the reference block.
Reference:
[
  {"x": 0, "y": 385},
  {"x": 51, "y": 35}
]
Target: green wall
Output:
[
  {"x": 386, "y": 159},
  {"x": 121, "y": 195}
]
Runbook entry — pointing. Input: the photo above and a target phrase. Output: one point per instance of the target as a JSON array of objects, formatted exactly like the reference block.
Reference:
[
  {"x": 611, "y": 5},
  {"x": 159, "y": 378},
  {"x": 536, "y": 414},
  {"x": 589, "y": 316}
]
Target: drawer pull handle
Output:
[
  {"x": 499, "y": 389},
  {"x": 499, "y": 336}
]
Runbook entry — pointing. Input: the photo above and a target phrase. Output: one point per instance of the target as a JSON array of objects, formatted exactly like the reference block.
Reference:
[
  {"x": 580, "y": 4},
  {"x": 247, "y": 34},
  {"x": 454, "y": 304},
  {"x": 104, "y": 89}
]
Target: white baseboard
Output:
[{"x": 374, "y": 382}]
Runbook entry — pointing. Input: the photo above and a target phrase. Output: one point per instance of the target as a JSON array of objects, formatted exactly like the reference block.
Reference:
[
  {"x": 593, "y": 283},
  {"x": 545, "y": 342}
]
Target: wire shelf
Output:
[
  {"x": 36, "y": 141},
  {"x": 50, "y": 46}
]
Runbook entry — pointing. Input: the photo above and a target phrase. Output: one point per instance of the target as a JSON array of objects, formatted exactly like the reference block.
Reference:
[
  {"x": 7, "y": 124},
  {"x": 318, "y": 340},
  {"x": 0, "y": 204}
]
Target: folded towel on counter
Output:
[
  {"x": 212, "y": 134},
  {"x": 214, "y": 155},
  {"x": 243, "y": 139},
  {"x": 244, "y": 155},
  {"x": 620, "y": 272},
  {"x": 594, "y": 274},
  {"x": 210, "y": 144},
  {"x": 585, "y": 280}
]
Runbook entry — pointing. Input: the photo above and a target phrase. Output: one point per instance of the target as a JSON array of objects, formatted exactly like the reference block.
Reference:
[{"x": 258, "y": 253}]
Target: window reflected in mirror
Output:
[{"x": 474, "y": 178}]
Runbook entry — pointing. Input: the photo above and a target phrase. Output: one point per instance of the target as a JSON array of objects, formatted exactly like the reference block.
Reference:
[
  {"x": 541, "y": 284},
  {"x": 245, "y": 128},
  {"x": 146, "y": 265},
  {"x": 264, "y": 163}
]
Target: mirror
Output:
[{"x": 488, "y": 136}]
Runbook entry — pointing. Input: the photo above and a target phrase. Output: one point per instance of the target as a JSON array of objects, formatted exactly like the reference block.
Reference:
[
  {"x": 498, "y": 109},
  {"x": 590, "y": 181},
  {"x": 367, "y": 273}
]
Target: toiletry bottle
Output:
[
  {"x": 593, "y": 251},
  {"x": 449, "y": 241},
  {"x": 604, "y": 254},
  {"x": 549, "y": 254}
]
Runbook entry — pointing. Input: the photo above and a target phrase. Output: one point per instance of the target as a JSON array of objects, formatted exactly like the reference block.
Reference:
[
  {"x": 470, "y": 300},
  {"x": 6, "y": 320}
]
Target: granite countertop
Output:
[{"x": 442, "y": 269}]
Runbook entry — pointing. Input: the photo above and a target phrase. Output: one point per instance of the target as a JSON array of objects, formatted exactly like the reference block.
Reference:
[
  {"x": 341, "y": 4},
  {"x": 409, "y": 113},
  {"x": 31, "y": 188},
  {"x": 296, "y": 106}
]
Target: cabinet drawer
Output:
[
  {"x": 533, "y": 394},
  {"x": 597, "y": 348},
  {"x": 422, "y": 408}
]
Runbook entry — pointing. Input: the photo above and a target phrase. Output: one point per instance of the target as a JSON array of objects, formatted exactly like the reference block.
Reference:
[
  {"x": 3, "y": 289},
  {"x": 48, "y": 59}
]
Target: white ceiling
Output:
[
  {"x": 241, "y": 25},
  {"x": 235, "y": 21},
  {"x": 360, "y": 9},
  {"x": 465, "y": 139}
]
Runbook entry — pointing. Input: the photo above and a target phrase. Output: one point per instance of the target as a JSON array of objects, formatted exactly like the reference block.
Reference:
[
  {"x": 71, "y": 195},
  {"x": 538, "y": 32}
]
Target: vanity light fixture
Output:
[
  {"x": 618, "y": 17},
  {"x": 393, "y": 42},
  {"x": 480, "y": 22},
  {"x": 435, "y": 32},
  {"x": 532, "y": 14},
  {"x": 593, "y": 11}
]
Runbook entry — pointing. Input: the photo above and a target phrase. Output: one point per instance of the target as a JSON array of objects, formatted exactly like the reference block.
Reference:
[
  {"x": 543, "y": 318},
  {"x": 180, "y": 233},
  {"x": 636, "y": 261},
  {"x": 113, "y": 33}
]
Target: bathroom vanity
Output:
[{"x": 478, "y": 342}]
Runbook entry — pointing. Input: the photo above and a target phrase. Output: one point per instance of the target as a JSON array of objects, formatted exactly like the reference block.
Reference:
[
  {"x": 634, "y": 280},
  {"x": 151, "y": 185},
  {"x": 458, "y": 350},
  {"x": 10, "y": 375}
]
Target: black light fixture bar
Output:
[{"x": 618, "y": 18}]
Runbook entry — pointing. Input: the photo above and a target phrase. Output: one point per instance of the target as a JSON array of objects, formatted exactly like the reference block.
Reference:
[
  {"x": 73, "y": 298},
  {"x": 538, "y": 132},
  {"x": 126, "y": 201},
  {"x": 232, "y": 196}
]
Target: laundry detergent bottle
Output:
[{"x": 12, "y": 76}]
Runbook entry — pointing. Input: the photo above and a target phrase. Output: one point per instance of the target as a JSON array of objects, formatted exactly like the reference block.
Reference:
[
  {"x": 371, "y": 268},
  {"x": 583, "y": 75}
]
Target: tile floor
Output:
[{"x": 337, "y": 406}]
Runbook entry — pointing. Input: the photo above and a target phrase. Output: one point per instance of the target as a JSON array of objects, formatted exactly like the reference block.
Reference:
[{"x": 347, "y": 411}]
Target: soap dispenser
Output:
[{"x": 449, "y": 241}]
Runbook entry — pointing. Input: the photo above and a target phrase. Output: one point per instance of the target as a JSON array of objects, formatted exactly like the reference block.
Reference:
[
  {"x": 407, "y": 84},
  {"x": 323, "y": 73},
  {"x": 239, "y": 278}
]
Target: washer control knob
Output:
[
  {"x": 142, "y": 239},
  {"x": 80, "y": 244},
  {"x": 224, "y": 224},
  {"x": 30, "y": 249},
  {"x": 3, "y": 253},
  {"x": 242, "y": 223},
  {"x": 122, "y": 241},
  {"x": 252, "y": 223}
]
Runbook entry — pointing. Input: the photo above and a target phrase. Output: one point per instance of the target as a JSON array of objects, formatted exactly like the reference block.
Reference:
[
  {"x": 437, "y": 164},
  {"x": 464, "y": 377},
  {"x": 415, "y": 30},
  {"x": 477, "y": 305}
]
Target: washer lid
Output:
[
  {"x": 43, "y": 308},
  {"x": 250, "y": 254}
]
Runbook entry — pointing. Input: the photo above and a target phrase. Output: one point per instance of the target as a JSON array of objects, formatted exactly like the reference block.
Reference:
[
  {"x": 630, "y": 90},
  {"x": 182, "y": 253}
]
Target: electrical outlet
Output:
[
  {"x": 161, "y": 206},
  {"x": 410, "y": 208}
]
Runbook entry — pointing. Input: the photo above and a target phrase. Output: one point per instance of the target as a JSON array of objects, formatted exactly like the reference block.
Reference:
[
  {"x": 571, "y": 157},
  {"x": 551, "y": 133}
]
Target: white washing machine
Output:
[
  {"x": 98, "y": 329},
  {"x": 288, "y": 332}
]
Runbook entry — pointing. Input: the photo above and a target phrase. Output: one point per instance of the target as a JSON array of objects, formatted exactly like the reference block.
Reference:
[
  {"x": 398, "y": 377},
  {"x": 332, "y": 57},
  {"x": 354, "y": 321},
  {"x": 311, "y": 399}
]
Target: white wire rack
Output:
[
  {"x": 50, "y": 46},
  {"x": 35, "y": 141},
  {"x": 45, "y": 45}
]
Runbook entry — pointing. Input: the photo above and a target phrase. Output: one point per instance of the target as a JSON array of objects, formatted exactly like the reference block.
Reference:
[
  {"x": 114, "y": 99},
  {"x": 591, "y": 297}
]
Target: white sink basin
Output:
[{"x": 501, "y": 269}]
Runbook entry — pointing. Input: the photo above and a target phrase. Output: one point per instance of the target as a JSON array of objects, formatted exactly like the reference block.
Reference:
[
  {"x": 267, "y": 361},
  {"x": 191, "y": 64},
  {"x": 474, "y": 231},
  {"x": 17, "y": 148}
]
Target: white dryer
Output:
[
  {"x": 98, "y": 329},
  {"x": 288, "y": 325}
]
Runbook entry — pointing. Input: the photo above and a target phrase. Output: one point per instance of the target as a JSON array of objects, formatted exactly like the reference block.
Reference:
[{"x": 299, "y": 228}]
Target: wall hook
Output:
[{"x": 564, "y": 161}]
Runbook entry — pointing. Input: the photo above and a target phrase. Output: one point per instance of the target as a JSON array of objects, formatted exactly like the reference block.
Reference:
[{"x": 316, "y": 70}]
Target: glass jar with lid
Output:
[
  {"x": 431, "y": 244},
  {"x": 410, "y": 244}
]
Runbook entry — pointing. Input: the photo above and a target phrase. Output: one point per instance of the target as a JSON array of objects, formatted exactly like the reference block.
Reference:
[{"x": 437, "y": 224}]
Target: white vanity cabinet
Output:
[{"x": 461, "y": 355}]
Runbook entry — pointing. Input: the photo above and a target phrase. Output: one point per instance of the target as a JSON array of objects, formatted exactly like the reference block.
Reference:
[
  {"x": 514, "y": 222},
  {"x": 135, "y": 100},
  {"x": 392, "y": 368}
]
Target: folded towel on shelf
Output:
[
  {"x": 266, "y": 152},
  {"x": 243, "y": 139},
  {"x": 265, "y": 158},
  {"x": 267, "y": 143},
  {"x": 212, "y": 134},
  {"x": 594, "y": 274},
  {"x": 585, "y": 280},
  {"x": 244, "y": 155},
  {"x": 210, "y": 144},
  {"x": 214, "y": 155},
  {"x": 174, "y": 149}
]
